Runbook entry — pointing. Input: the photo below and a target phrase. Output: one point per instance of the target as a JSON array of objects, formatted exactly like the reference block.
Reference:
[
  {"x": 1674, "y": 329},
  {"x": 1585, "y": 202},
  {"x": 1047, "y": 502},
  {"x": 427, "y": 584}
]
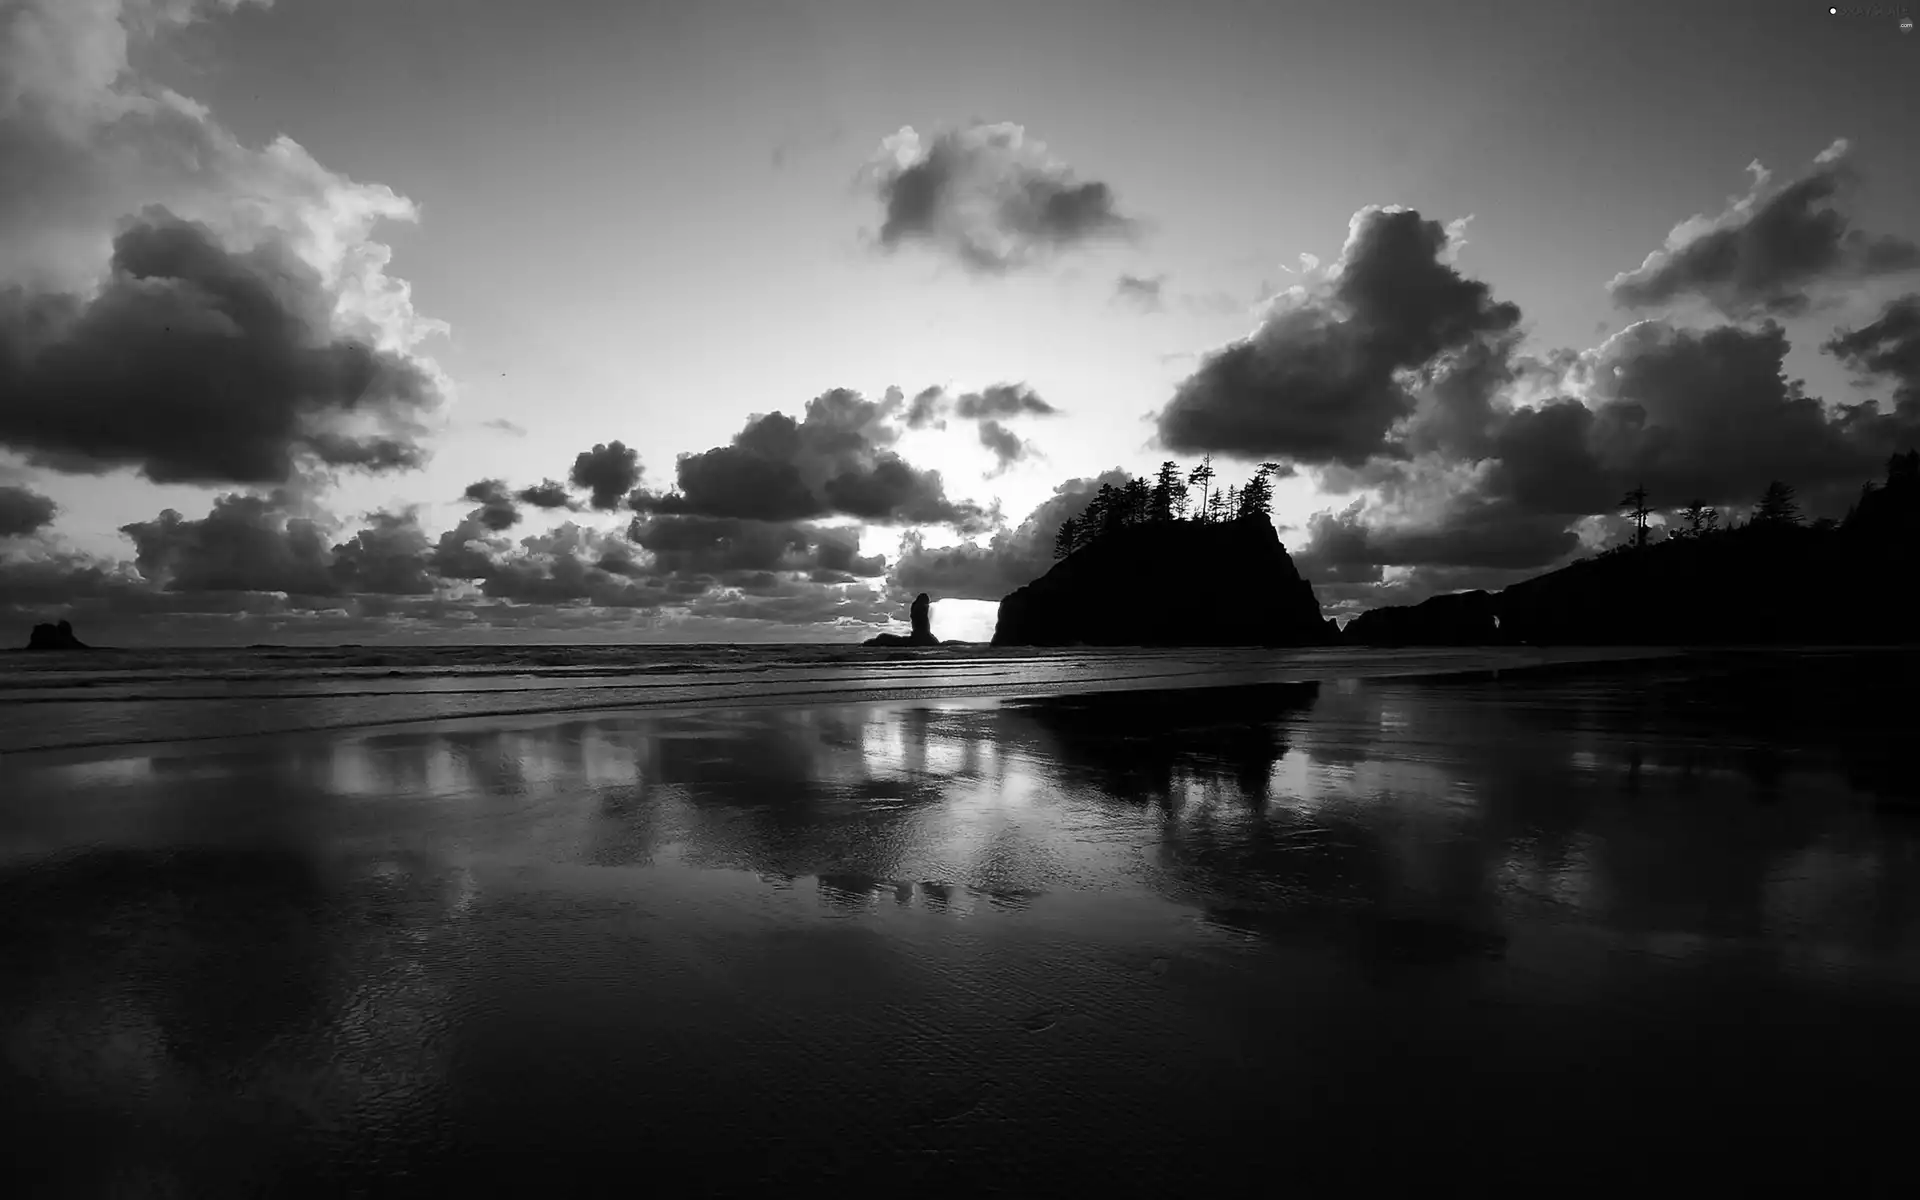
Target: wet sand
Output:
[{"x": 1636, "y": 922}]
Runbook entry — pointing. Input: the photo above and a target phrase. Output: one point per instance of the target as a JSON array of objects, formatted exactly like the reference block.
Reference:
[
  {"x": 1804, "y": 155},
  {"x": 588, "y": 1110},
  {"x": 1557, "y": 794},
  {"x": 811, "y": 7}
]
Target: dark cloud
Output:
[
  {"x": 1141, "y": 290},
  {"x": 196, "y": 364},
  {"x": 389, "y": 557},
  {"x": 1002, "y": 400},
  {"x": 245, "y": 544},
  {"x": 547, "y": 494},
  {"x": 497, "y": 511},
  {"x": 23, "y": 511},
  {"x": 607, "y": 472},
  {"x": 1010, "y": 559},
  {"x": 1769, "y": 252},
  {"x": 990, "y": 196},
  {"x": 574, "y": 564},
  {"x": 1688, "y": 413},
  {"x": 926, "y": 410},
  {"x": 834, "y": 461},
  {"x": 694, "y": 546},
  {"x": 1318, "y": 381},
  {"x": 1006, "y": 446},
  {"x": 1888, "y": 347}
]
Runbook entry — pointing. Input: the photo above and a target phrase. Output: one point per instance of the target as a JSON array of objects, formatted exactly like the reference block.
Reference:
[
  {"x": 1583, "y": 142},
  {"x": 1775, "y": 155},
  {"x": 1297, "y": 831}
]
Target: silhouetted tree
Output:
[
  {"x": 1136, "y": 501},
  {"x": 1166, "y": 482},
  {"x": 1216, "y": 507},
  {"x": 1063, "y": 542},
  {"x": 1256, "y": 499},
  {"x": 1182, "y": 500},
  {"x": 1200, "y": 477},
  {"x": 1231, "y": 508},
  {"x": 1777, "y": 508},
  {"x": 1635, "y": 502},
  {"x": 1700, "y": 518}
]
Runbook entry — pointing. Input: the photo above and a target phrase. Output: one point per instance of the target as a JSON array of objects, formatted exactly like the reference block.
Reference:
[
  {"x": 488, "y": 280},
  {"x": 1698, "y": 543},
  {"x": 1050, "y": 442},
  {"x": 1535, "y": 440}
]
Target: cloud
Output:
[
  {"x": 502, "y": 425},
  {"x": 195, "y": 364},
  {"x": 989, "y": 195},
  {"x": 387, "y": 558},
  {"x": 608, "y": 472},
  {"x": 548, "y": 494},
  {"x": 1143, "y": 291},
  {"x": 1319, "y": 381},
  {"x": 1002, "y": 400},
  {"x": 1006, "y": 446},
  {"x": 497, "y": 511},
  {"x": 575, "y": 564},
  {"x": 1010, "y": 559},
  {"x": 24, "y": 512},
  {"x": 245, "y": 544},
  {"x": 834, "y": 461},
  {"x": 1888, "y": 347},
  {"x": 1770, "y": 251},
  {"x": 175, "y": 302}
]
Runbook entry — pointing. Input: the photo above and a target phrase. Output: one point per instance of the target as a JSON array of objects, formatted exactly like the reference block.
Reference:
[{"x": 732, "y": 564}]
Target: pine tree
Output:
[
  {"x": 1166, "y": 482},
  {"x": 1063, "y": 542},
  {"x": 1216, "y": 507},
  {"x": 1699, "y": 517},
  {"x": 1256, "y": 499},
  {"x": 1231, "y": 509},
  {"x": 1635, "y": 502},
  {"x": 1777, "y": 508},
  {"x": 1200, "y": 477}
]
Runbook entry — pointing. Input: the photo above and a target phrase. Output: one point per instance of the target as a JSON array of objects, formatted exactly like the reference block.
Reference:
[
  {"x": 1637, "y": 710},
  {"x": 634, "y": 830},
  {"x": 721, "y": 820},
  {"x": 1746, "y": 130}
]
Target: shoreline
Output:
[{"x": 1456, "y": 662}]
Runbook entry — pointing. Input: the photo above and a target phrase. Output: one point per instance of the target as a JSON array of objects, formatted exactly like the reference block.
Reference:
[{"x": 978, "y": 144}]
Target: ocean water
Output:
[
  {"x": 111, "y": 697},
  {"x": 1552, "y": 929}
]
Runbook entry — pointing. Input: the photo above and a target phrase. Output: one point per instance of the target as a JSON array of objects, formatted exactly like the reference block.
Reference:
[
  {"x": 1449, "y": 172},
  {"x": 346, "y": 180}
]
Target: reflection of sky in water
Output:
[{"x": 321, "y": 917}]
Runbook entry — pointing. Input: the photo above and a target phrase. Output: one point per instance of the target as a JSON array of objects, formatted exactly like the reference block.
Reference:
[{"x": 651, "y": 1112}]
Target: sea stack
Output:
[
  {"x": 1169, "y": 583},
  {"x": 54, "y": 637},
  {"x": 918, "y": 617}
]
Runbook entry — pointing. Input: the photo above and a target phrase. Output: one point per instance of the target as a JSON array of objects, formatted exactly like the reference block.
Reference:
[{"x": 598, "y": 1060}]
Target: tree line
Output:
[
  {"x": 1778, "y": 509},
  {"x": 1168, "y": 496}
]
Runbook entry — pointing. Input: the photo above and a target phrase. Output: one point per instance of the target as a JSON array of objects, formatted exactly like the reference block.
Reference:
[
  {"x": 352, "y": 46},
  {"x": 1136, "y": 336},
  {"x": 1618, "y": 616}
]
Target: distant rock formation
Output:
[
  {"x": 922, "y": 634},
  {"x": 54, "y": 637},
  {"x": 1169, "y": 583},
  {"x": 1825, "y": 584},
  {"x": 1462, "y": 619}
]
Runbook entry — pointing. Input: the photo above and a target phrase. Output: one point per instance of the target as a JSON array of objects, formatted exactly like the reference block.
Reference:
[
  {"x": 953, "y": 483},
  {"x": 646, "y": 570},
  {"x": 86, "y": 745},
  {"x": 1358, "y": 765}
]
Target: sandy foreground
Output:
[{"x": 1330, "y": 927}]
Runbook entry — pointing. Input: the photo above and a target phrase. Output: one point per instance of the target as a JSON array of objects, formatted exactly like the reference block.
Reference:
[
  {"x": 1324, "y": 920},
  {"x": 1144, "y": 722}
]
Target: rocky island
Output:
[
  {"x": 922, "y": 634},
  {"x": 54, "y": 637},
  {"x": 1169, "y": 583}
]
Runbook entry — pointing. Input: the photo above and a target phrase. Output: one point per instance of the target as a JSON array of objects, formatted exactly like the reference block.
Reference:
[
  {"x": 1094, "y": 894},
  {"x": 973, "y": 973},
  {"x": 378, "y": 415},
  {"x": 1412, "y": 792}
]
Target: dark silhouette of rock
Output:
[
  {"x": 1168, "y": 583},
  {"x": 54, "y": 637},
  {"x": 1756, "y": 585},
  {"x": 922, "y": 634},
  {"x": 1462, "y": 619}
]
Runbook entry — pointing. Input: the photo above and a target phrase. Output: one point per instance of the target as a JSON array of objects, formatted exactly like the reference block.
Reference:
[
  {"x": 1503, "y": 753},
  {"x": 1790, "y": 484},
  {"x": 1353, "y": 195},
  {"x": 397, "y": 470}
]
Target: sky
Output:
[{"x": 616, "y": 321}]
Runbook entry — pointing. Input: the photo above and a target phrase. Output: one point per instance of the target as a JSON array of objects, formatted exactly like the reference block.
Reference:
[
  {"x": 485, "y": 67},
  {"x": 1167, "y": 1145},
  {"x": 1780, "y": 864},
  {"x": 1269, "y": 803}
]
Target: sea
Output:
[{"x": 109, "y": 697}]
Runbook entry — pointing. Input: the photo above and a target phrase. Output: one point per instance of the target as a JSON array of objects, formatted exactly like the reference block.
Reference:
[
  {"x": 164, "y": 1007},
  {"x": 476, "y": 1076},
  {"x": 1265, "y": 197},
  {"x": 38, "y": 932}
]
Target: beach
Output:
[{"x": 1103, "y": 922}]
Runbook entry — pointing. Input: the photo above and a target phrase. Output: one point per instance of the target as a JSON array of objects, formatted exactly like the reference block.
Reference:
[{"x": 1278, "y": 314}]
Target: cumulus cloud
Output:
[
  {"x": 173, "y": 301},
  {"x": 497, "y": 509},
  {"x": 1320, "y": 381},
  {"x": 1771, "y": 250},
  {"x": 194, "y": 363},
  {"x": 607, "y": 472},
  {"x": 387, "y": 558},
  {"x": 245, "y": 544},
  {"x": 835, "y": 461},
  {"x": 988, "y": 195},
  {"x": 24, "y": 511},
  {"x": 1011, "y": 558},
  {"x": 1143, "y": 291},
  {"x": 547, "y": 494}
]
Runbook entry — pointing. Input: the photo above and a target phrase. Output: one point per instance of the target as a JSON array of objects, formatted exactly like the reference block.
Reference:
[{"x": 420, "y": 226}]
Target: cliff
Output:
[
  {"x": 1754, "y": 586},
  {"x": 1173, "y": 583}
]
